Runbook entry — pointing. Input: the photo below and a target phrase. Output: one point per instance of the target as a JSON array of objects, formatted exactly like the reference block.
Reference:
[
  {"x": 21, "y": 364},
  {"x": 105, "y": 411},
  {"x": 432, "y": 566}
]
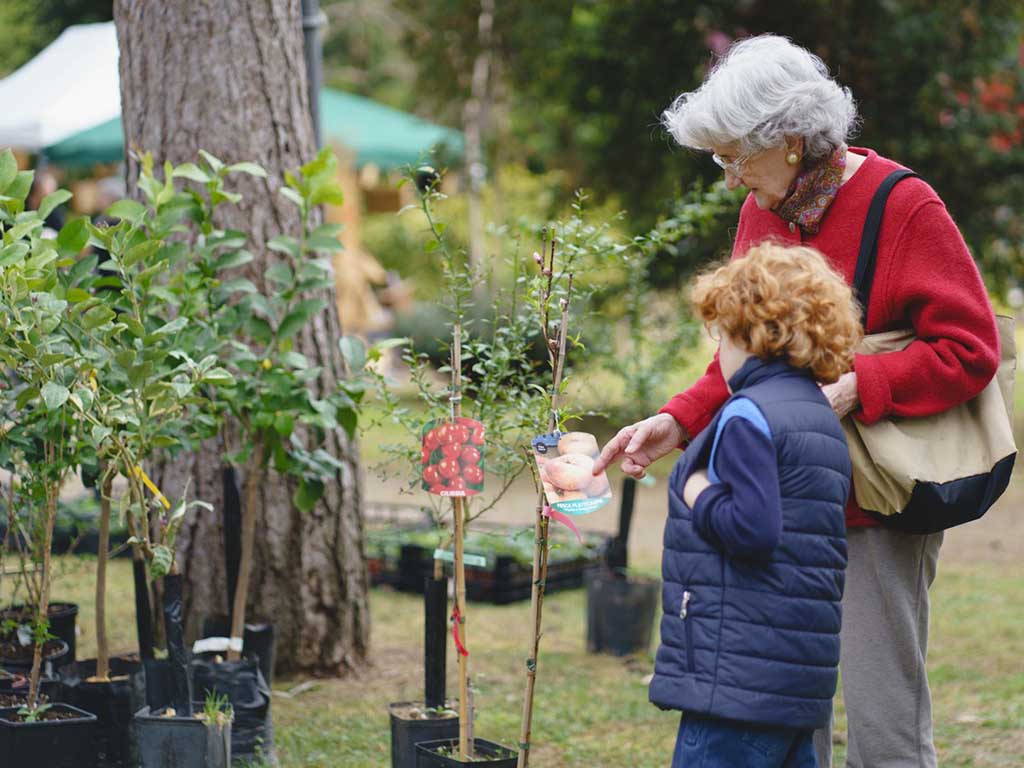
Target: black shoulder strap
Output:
[{"x": 865, "y": 274}]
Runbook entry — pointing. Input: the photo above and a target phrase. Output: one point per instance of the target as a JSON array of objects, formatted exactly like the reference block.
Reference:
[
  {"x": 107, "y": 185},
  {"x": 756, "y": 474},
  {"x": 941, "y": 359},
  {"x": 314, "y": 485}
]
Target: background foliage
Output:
[{"x": 578, "y": 87}]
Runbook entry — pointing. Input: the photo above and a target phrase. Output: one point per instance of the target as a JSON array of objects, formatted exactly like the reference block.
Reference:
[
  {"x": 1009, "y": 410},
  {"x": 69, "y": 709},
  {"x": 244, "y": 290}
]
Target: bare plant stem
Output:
[
  {"x": 466, "y": 747},
  {"x": 102, "y": 554},
  {"x": 541, "y": 524},
  {"x": 43, "y": 607},
  {"x": 252, "y": 488}
]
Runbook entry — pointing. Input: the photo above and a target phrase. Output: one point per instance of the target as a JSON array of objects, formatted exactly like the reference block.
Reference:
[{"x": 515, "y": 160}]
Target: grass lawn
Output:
[{"x": 593, "y": 710}]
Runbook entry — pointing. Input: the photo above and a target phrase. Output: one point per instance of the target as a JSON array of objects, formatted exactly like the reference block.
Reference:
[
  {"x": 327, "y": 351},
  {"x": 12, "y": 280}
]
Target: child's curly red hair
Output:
[{"x": 784, "y": 300}]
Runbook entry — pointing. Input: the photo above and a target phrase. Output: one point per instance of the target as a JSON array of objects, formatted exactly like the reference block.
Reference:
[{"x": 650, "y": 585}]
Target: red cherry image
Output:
[
  {"x": 437, "y": 488},
  {"x": 448, "y": 468},
  {"x": 425, "y": 455},
  {"x": 469, "y": 455},
  {"x": 456, "y": 484},
  {"x": 451, "y": 450},
  {"x": 473, "y": 474},
  {"x": 457, "y": 433},
  {"x": 433, "y": 438},
  {"x": 431, "y": 475}
]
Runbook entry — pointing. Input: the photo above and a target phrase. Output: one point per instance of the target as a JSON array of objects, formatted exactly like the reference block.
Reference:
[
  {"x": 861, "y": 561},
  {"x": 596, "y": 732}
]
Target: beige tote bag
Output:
[{"x": 928, "y": 474}]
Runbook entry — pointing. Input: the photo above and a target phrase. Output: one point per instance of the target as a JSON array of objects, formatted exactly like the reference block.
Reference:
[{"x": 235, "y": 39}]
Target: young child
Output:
[{"x": 755, "y": 542}]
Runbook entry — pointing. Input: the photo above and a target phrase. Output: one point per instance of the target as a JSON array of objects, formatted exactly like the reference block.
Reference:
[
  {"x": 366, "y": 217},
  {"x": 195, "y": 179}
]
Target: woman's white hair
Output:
[{"x": 764, "y": 89}]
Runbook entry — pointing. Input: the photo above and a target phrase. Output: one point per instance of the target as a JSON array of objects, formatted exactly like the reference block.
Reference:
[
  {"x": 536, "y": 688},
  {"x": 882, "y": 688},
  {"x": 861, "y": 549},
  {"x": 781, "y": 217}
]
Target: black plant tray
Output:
[{"x": 502, "y": 581}]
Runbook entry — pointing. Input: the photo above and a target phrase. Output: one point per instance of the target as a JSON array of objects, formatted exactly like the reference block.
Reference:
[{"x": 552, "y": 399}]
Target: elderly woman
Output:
[{"x": 778, "y": 124}]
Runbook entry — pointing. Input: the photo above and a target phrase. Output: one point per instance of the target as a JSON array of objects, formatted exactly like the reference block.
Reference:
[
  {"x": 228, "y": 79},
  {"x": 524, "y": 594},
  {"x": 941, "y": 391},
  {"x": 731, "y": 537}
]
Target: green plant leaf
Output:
[
  {"x": 238, "y": 285},
  {"x": 26, "y": 396},
  {"x": 173, "y": 326},
  {"x": 8, "y": 169},
  {"x": 308, "y": 493},
  {"x": 295, "y": 360},
  {"x": 327, "y": 243},
  {"x": 143, "y": 252},
  {"x": 354, "y": 352},
  {"x": 129, "y": 210},
  {"x": 251, "y": 168},
  {"x": 13, "y": 253},
  {"x": 163, "y": 559},
  {"x": 349, "y": 420},
  {"x": 284, "y": 244},
  {"x": 233, "y": 259},
  {"x": 190, "y": 171},
  {"x": 54, "y": 395},
  {"x": 279, "y": 273},
  {"x": 22, "y": 228},
  {"x": 292, "y": 195},
  {"x": 74, "y": 235},
  {"x": 284, "y": 423},
  {"x": 96, "y": 317},
  {"x": 330, "y": 229},
  {"x": 218, "y": 376},
  {"x": 51, "y": 201},
  {"x": 298, "y": 317},
  {"x": 212, "y": 161},
  {"x": 18, "y": 189}
]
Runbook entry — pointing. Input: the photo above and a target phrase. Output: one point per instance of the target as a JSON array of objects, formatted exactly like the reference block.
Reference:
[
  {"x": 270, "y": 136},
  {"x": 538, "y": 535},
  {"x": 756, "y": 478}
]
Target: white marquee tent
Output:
[{"x": 72, "y": 85}]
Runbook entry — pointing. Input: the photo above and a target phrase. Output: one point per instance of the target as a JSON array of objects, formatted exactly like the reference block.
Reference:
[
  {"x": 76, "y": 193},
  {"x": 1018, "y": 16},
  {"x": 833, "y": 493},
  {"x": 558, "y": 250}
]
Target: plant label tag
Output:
[
  {"x": 452, "y": 457},
  {"x": 449, "y": 557},
  {"x": 565, "y": 463}
]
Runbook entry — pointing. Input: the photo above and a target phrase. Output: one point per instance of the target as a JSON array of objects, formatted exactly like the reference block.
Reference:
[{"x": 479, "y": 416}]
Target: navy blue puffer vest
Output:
[{"x": 758, "y": 641}]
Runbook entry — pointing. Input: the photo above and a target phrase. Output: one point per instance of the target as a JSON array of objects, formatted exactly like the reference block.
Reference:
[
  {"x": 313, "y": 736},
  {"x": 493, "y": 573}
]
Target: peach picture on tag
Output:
[{"x": 565, "y": 463}]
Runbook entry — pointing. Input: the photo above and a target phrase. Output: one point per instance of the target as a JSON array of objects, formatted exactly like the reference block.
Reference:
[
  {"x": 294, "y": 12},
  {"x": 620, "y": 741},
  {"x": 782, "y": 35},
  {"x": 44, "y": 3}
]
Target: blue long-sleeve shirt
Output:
[{"x": 741, "y": 512}]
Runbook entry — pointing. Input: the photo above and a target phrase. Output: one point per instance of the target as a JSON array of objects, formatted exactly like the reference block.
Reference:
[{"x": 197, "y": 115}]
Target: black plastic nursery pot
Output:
[
  {"x": 62, "y": 616},
  {"x": 17, "y": 684},
  {"x": 252, "y": 732},
  {"x": 181, "y": 742},
  {"x": 153, "y": 685},
  {"x": 620, "y": 612},
  {"x": 444, "y": 753},
  {"x": 18, "y": 659},
  {"x": 53, "y": 743},
  {"x": 110, "y": 701},
  {"x": 259, "y": 640},
  {"x": 413, "y": 723}
]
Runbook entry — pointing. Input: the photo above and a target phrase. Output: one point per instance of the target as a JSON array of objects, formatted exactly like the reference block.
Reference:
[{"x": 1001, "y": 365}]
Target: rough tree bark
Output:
[{"x": 230, "y": 78}]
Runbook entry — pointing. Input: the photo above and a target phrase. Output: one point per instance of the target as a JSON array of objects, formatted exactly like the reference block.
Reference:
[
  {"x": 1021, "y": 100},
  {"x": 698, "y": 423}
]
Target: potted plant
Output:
[
  {"x": 40, "y": 447},
  {"x": 493, "y": 391},
  {"x": 279, "y": 420},
  {"x": 159, "y": 367},
  {"x": 203, "y": 740}
]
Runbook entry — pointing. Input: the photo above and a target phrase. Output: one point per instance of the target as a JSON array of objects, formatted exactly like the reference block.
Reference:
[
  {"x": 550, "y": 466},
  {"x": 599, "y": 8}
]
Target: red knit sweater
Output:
[{"x": 925, "y": 279}]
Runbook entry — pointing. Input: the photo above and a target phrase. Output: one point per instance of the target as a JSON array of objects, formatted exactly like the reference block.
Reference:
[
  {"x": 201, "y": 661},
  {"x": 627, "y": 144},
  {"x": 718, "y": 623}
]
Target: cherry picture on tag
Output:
[
  {"x": 452, "y": 457},
  {"x": 565, "y": 462}
]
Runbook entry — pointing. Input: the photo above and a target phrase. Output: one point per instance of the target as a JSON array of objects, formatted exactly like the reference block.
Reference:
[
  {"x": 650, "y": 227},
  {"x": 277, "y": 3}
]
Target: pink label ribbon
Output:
[{"x": 564, "y": 519}]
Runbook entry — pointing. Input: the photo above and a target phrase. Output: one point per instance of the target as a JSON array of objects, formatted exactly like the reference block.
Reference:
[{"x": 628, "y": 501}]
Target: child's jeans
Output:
[{"x": 710, "y": 742}]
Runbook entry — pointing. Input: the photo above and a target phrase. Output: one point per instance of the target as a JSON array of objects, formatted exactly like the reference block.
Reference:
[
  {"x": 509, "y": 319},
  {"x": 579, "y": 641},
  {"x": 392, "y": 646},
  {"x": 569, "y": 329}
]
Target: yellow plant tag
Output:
[{"x": 141, "y": 473}]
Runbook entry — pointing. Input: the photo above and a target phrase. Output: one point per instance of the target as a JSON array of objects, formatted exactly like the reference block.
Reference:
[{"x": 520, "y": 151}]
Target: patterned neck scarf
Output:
[{"x": 813, "y": 191}]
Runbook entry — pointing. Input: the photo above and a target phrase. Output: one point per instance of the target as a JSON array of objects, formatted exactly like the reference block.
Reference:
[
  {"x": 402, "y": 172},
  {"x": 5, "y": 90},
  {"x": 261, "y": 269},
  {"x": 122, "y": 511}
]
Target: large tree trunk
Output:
[{"x": 230, "y": 78}]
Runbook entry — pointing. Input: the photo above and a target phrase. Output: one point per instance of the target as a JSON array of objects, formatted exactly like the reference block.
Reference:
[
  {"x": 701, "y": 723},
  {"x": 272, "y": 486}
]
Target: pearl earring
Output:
[{"x": 792, "y": 158}]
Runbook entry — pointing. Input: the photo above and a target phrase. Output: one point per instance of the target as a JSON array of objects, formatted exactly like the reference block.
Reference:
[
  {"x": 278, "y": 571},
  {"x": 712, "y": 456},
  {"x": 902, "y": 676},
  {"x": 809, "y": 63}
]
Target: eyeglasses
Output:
[{"x": 735, "y": 167}]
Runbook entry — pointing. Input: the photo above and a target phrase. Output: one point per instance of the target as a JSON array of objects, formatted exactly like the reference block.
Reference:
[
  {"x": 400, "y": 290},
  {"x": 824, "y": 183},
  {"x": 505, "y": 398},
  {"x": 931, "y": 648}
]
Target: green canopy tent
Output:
[{"x": 378, "y": 135}]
